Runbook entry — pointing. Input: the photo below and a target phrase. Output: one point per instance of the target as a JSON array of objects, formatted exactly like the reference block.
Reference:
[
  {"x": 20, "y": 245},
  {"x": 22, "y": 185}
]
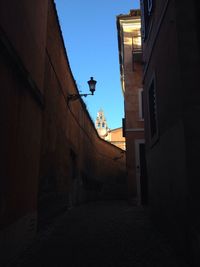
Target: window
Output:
[
  {"x": 99, "y": 124},
  {"x": 150, "y": 5},
  {"x": 146, "y": 10},
  {"x": 103, "y": 124},
  {"x": 136, "y": 45},
  {"x": 153, "y": 111},
  {"x": 141, "y": 104},
  {"x": 136, "y": 40}
]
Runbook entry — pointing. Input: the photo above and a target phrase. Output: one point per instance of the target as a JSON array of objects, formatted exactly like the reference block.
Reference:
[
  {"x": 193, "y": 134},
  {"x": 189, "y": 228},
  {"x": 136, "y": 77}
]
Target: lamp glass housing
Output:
[{"x": 92, "y": 84}]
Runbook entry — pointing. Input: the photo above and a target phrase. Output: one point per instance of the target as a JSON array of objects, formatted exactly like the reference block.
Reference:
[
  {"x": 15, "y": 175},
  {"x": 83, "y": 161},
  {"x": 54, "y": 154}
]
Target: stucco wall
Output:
[
  {"x": 171, "y": 56},
  {"x": 22, "y": 37},
  {"x": 115, "y": 136},
  {"x": 166, "y": 160},
  {"x": 51, "y": 155}
]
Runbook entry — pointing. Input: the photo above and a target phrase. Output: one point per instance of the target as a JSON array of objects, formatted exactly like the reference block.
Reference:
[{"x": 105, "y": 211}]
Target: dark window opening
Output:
[
  {"x": 146, "y": 10},
  {"x": 150, "y": 5},
  {"x": 152, "y": 110}
]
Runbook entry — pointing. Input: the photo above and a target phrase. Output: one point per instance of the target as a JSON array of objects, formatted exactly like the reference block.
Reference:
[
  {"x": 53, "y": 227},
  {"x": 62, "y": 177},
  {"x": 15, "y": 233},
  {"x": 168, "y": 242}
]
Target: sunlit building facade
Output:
[{"x": 130, "y": 59}]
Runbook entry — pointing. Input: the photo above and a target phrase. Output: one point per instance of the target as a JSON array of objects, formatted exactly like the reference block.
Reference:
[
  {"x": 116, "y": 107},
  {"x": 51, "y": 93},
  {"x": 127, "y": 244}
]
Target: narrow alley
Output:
[
  {"x": 78, "y": 192},
  {"x": 100, "y": 234}
]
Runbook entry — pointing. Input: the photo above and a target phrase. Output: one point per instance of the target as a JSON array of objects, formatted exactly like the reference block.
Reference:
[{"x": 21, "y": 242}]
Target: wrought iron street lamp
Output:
[{"x": 91, "y": 83}]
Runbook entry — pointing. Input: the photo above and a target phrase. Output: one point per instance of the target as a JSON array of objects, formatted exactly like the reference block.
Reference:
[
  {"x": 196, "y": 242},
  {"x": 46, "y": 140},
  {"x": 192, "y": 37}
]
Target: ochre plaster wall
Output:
[
  {"x": 116, "y": 138},
  {"x": 51, "y": 155}
]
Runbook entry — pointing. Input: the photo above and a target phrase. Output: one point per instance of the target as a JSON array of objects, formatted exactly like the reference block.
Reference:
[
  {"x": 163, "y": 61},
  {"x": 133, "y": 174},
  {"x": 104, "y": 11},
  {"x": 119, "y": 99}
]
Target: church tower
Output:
[{"x": 101, "y": 124}]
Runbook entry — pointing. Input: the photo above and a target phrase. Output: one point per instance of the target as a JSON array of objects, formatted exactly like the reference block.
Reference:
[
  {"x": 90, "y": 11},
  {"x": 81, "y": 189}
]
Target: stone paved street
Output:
[{"x": 101, "y": 234}]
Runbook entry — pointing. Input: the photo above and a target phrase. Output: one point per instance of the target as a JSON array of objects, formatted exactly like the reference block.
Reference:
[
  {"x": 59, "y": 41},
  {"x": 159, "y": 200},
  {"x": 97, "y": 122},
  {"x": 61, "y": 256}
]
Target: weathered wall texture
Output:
[
  {"x": 22, "y": 60},
  {"x": 51, "y": 155},
  {"x": 171, "y": 57}
]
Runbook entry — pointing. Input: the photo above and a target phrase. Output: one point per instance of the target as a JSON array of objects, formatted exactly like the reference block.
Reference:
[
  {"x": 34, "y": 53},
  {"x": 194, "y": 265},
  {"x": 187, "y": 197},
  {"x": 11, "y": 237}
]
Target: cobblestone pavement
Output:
[{"x": 101, "y": 234}]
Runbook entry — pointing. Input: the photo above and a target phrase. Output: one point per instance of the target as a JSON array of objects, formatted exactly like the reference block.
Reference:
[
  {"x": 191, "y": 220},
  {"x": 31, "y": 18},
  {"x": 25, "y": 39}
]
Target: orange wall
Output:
[
  {"x": 115, "y": 136},
  {"x": 50, "y": 150}
]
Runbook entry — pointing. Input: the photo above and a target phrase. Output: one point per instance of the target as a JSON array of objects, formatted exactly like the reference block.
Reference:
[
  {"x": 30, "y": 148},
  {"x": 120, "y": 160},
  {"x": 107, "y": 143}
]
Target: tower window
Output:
[{"x": 103, "y": 124}]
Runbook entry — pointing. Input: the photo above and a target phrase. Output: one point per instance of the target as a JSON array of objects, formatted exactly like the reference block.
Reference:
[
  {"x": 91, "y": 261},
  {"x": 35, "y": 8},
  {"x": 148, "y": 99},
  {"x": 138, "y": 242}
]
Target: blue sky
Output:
[{"x": 90, "y": 35}]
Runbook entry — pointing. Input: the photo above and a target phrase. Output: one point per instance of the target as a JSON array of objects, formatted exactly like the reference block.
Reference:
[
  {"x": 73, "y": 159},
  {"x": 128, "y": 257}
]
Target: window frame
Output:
[
  {"x": 141, "y": 104},
  {"x": 150, "y": 6},
  {"x": 146, "y": 17},
  {"x": 154, "y": 136}
]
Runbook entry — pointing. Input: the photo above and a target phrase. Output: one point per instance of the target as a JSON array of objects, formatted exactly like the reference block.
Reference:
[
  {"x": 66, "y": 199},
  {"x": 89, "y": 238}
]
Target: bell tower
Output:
[{"x": 101, "y": 124}]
